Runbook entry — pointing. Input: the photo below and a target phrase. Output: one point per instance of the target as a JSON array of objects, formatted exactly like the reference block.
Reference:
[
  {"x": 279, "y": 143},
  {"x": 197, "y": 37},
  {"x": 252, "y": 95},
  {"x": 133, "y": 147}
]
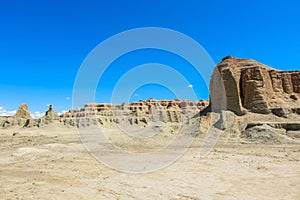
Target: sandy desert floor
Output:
[{"x": 52, "y": 163}]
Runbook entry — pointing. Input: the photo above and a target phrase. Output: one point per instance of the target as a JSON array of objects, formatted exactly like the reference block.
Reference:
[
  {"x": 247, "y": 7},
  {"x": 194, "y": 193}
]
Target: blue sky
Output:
[{"x": 43, "y": 43}]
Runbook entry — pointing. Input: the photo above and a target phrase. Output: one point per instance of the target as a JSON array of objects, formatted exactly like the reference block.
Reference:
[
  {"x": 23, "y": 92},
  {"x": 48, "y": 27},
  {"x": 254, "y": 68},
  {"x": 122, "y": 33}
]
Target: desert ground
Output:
[{"x": 52, "y": 163}]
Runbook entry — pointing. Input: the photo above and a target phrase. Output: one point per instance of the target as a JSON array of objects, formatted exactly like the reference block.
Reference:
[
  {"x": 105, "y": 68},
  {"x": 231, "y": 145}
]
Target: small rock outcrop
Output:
[
  {"x": 23, "y": 112},
  {"x": 23, "y": 119},
  {"x": 272, "y": 133},
  {"x": 51, "y": 114},
  {"x": 255, "y": 87}
]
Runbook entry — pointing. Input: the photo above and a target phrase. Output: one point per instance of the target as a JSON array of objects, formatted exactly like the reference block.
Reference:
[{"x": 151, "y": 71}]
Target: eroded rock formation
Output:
[
  {"x": 23, "y": 118},
  {"x": 51, "y": 114},
  {"x": 252, "y": 86},
  {"x": 249, "y": 101},
  {"x": 139, "y": 113},
  {"x": 23, "y": 112}
]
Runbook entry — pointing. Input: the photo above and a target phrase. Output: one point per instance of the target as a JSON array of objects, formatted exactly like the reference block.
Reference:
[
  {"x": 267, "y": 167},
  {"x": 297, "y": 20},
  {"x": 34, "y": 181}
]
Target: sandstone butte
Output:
[
  {"x": 255, "y": 87},
  {"x": 237, "y": 85}
]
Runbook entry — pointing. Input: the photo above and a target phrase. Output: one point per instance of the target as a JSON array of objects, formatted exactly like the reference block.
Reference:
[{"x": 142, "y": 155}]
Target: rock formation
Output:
[
  {"x": 147, "y": 107},
  {"x": 51, "y": 114},
  {"x": 249, "y": 101},
  {"x": 138, "y": 113},
  {"x": 23, "y": 112},
  {"x": 252, "y": 86},
  {"x": 23, "y": 119}
]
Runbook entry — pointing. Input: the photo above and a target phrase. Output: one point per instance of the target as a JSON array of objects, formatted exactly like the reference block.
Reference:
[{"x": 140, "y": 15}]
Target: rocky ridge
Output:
[
  {"x": 137, "y": 113},
  {"x": 249, "y": 102},
  {"x": 140, "y": 113}
]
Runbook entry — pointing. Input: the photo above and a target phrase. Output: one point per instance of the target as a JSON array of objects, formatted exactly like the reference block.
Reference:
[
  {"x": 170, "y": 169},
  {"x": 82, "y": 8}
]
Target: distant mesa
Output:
[
  {"x": 145, "y": 106},
  {"x": 136, "y": 113}
]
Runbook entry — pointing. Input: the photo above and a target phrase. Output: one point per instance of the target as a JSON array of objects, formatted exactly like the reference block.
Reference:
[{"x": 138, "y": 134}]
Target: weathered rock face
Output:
[
  {"x": 140, "y": 113},
  {"x": 137, "y": 113},
  {"x": 23, "y": 112},
  {"x": 23, "y": 119},
  {"x": 252, "y": 86},
  {"x": 148, "y": 107}
]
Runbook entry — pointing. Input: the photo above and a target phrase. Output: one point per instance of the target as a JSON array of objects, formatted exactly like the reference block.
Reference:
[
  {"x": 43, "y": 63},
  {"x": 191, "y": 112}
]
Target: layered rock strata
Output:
[
  {"x": 137, "y": 113},
  {"x": 252, "y": 86},
  {"x": 248, "y": 100}
]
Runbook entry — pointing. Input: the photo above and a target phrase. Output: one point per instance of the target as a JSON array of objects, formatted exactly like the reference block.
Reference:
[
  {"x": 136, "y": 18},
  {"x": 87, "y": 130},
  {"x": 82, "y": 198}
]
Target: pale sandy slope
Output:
[{"x": 51, "y": 163}]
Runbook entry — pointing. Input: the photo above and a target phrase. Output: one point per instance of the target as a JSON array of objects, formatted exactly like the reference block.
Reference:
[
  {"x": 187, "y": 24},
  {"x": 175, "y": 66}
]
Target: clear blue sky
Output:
[{"x": 43, "y": 43}]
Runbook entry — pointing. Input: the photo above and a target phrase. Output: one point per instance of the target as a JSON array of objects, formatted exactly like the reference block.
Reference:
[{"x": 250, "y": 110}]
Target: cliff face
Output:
[
  {"x": 252, "y": 86},
  {"x": 137, "y": 113}
]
